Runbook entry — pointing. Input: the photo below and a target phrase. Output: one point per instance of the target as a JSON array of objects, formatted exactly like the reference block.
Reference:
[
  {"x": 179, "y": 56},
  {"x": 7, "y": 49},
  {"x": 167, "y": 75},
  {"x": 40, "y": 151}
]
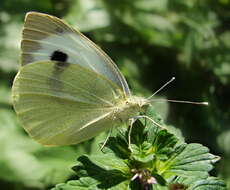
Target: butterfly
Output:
[{"x": 67, "y": 90}]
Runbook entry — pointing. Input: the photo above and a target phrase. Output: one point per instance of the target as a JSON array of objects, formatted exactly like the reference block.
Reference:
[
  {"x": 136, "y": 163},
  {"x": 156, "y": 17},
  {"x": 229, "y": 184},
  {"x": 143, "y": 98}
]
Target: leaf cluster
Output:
[{"x": 156, "y": 159}]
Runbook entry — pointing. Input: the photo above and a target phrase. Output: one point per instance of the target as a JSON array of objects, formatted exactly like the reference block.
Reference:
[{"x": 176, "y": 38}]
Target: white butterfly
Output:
[{"x": 67, "y": 89}]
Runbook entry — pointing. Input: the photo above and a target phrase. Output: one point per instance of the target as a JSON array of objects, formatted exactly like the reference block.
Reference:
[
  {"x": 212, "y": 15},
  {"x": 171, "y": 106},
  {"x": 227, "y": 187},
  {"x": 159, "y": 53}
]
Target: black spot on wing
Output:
[
  {"x": 60, "y": 59},
  {"x": 59, "y": 56}
]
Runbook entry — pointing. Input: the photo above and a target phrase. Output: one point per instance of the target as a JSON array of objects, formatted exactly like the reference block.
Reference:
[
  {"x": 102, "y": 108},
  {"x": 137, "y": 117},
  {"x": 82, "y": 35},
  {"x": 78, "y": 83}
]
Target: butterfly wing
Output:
[
  {"x": 47, "y": 38},
  {"x": 61, "y": 103}
]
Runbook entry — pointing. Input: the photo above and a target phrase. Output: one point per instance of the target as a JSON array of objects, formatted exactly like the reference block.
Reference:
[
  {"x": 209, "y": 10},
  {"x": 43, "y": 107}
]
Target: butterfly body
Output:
[
  {"x": 67, "y": 89},
  {"x": 131, "y": 107}
]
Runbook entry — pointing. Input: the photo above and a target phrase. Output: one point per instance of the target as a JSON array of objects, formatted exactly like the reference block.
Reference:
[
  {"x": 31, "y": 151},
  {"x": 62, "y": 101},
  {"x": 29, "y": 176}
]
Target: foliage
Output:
[
  {"x": 150, "y": 41},
  {"x": 156, "y": 159}
]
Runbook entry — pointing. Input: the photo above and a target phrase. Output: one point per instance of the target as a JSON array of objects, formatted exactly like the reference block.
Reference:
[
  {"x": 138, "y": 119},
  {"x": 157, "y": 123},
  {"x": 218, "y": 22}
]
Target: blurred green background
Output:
[{"x": 151, "y": 41}]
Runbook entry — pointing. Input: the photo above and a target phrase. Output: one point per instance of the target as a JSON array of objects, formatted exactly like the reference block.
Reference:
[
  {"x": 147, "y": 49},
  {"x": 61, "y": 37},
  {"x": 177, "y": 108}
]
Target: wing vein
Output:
[{"x": 95, "y": 120}]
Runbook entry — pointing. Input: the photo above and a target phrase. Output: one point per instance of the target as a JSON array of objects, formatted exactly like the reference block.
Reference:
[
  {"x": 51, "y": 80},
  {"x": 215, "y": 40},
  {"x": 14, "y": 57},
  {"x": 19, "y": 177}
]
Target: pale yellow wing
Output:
[
  {"x": 61, "y": 103},
  {"x": 48, "y": 38}
]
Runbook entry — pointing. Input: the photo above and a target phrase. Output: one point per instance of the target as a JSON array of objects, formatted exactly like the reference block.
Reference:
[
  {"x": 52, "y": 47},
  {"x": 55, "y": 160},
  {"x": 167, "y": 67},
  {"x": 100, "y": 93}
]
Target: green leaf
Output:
[
  {"x": 84, "y": 183},
  {"x": 106, "y": 169},
  {"x": 210, "y": 183},
  {"x": 88, "y": 183},
  {"x": 155, "y": 159},
  {"x": 189, "y": 160}
]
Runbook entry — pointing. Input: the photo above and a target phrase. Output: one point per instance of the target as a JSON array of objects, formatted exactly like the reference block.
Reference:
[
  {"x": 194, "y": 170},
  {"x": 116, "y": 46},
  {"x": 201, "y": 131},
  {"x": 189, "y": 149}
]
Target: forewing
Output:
[
  {"x": 43, "y": 35},
  {"x": 61, "y": 103}
]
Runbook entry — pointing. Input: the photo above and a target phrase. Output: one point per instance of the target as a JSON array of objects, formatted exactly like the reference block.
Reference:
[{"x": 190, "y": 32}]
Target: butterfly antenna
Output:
[
  {"x": 179, "y": 101},
  {"x": 167, "y": 83},
  {"x": 150, "y": 99}
]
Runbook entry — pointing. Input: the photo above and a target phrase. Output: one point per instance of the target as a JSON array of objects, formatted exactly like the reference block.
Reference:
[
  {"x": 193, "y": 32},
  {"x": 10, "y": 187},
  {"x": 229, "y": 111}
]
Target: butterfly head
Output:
[{"x": 138, "y": 102}]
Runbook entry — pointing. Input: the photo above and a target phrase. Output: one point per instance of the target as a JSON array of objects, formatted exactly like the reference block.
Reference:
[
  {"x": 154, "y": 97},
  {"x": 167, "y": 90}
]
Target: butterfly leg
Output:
[
  {"x": 147, "y": 117},
  {"x": 132, "y": 120},
  {"x": 109, "y": 134},
  {"x": 107, "y": 138}
]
